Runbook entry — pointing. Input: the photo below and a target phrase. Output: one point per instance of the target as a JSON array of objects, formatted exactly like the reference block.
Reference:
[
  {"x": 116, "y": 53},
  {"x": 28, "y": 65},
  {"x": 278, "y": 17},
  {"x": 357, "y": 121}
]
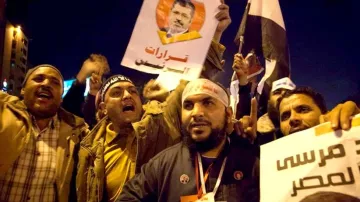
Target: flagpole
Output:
[
  {"x": 241, "y": 44},
  {"x": 239, "y": 39}
]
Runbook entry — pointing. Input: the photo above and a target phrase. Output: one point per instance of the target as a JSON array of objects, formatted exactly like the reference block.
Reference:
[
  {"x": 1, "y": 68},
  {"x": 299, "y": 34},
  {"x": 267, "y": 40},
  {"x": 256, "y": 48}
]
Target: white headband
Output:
[
  {"x": 205, "y": 86},
  {"x": 284, "y": 83}
]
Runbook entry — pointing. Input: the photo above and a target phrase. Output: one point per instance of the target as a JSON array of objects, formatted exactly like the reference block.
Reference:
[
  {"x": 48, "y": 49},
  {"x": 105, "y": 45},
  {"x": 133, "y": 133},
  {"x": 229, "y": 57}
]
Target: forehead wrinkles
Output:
[
  {"x": 288, "y": 104},
  {"x": 297, "y": 100},
  {"x": 47, "y": 72},
  {"x": 123, "y": 85},
  {"x": 199, "y": 98},
  {"x": 183, "y": 9}
]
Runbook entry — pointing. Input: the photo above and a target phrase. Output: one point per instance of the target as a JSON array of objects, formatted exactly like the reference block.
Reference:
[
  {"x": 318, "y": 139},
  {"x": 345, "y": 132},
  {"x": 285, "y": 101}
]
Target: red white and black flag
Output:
[{"x": 263, "y": 30}]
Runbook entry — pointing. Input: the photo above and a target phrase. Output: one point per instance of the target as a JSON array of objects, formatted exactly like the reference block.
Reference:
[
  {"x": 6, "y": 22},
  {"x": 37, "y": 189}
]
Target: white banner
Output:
[
  {"x": 172, "y": 36},
  {"x": 312, "y": 164}
]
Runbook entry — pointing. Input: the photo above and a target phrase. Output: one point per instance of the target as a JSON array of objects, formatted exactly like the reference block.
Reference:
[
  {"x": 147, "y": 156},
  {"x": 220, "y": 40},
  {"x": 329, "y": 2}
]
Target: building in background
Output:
[
  {"x": 2, "y": 32},
  {"x": 14, "y": 58}
]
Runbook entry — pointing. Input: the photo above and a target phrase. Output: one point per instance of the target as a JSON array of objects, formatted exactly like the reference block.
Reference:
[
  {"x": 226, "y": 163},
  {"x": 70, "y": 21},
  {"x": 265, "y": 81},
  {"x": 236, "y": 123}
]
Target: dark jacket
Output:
[
  {"x": 89, "y": 111},
  {"x": 74, "y": 99},
  {"x": 74, "y": 102},
  {"x": 159, "y": 179},
  {"x": 244, "y": 105}
]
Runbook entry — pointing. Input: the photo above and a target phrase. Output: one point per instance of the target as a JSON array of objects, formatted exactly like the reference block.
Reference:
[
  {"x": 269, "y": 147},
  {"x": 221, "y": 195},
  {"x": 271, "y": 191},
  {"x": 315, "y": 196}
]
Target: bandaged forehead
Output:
[
  {"x": 205, "y": 86},
  {"x": 284, "y": 83}
]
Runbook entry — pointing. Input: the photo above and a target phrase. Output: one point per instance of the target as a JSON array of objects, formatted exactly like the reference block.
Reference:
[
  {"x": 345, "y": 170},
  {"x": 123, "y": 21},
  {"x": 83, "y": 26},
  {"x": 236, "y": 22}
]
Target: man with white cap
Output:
[
  {"x": 241, "y": 88},
  {"x": 209, "y": 163},
  {"x": 268, "y": 124}
]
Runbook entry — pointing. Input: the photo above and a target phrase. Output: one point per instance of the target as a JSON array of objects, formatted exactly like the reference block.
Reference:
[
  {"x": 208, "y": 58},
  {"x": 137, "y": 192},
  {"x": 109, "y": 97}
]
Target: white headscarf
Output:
[{"x": 205, "y": 86}]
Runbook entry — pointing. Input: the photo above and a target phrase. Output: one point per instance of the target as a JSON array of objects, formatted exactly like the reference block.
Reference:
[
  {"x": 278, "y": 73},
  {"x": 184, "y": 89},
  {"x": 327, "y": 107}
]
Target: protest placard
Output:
[
  {"x": 172, "y": 36},
  {"x": 312, "y": 164}
]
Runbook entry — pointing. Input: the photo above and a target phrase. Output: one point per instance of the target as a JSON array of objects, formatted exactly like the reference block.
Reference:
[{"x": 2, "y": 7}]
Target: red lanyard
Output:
[{"x": 206, "y": 175}]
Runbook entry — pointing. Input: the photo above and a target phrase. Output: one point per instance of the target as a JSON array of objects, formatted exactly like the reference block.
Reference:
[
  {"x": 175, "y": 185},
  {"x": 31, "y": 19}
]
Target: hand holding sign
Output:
[
  {"x": 167, "y": 47},
  {"x": 247, "y": 126},
  {"x": 223, "y": 16},
  {"x": 340, "y": 116}
]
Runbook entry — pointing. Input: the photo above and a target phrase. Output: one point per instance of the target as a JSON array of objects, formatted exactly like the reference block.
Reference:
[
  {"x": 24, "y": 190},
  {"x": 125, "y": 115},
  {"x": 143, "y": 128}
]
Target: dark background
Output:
[{"x": 322, "y": 35}]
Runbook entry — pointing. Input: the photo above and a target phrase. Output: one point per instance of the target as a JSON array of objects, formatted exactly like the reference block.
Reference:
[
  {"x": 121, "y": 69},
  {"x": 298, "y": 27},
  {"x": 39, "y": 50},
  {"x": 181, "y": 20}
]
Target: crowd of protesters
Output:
[{"x": 182, "y": 145}]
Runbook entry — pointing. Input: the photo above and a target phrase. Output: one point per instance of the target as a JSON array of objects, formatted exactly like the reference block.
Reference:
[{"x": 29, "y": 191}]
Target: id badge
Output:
[
  {"x": 190, "y": 198},
  {"x": 209, "y": 197}
]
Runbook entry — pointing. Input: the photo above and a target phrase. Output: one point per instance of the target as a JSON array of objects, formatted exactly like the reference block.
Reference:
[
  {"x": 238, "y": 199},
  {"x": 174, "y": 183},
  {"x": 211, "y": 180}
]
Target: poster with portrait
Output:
[
  {"x": 172, "y": 36},
  {"x": 310, "y": 165}
]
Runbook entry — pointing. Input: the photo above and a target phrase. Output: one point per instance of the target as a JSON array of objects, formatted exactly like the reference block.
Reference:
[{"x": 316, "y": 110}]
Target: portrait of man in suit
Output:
[{"x": 179, "y": 20}]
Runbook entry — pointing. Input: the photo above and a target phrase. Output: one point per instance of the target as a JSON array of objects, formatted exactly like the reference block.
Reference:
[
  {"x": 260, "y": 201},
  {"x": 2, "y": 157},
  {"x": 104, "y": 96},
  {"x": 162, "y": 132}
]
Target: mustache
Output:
[
  {"x": 179, "y": 22},
  {"x": 199, "y": 121},
  {"x": 297, "y": 129},
  {"x": 303, "y": 126}
]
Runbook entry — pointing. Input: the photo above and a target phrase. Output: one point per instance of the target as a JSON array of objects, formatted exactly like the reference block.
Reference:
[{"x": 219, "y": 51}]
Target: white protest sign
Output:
[
  {"x": 312, "y": 164},
  {"x": 172, "y": 36}
]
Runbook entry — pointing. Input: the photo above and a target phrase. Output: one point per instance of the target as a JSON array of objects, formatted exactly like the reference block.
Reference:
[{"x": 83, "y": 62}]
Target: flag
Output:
[{"x": 263, "y": 30}]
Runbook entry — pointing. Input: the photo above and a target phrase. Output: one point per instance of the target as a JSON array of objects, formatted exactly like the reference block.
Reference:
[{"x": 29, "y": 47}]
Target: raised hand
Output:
[
  {"x": 247, "y": 125},
  {"x": 94, "y": 64},
  {"x": 154, "y": 91},
  {"x": 224, "y": 20},
  {"x": 241, "y": 67},
  {"x": 95, "y": 84}
]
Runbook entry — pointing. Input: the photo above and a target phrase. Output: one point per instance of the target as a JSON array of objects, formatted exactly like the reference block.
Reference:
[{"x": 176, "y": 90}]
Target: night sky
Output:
[{"x": 322, "y": 35}]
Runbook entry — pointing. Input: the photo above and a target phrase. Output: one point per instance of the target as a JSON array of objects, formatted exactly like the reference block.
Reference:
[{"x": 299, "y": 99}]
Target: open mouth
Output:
[
  {"x": 44, "y": 95},
  {"x": 129, "y": 108},
  {"x": 198, "y": 131}
]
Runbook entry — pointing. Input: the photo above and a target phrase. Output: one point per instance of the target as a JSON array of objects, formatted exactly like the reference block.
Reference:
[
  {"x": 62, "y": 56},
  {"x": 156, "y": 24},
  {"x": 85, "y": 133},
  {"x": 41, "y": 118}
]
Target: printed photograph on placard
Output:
[
  {"x": 172, "y": 36},
  {"x": 179, "y": 20}
]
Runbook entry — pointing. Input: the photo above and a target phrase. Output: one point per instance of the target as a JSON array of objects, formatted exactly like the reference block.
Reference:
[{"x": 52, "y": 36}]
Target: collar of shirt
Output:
[
  {"x": 111, "y": 134},
  {"x": 53, "y": 122},
  {"x": 168, "y": 33}
]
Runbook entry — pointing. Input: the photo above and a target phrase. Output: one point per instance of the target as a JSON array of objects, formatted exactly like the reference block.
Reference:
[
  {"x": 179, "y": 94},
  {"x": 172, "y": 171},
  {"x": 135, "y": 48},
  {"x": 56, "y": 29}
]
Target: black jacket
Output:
[
  {"x": 159, "y": 179},
  {"x": 74, "y": 102},
  {"x": 74, "y": 99},
  {"x": 244, "y": 105}
]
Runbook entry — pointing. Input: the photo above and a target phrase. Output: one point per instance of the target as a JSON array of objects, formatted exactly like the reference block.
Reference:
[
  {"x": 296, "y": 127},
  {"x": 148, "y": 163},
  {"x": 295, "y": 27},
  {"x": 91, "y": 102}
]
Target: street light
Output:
[{"x": 4, "y": 83}]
